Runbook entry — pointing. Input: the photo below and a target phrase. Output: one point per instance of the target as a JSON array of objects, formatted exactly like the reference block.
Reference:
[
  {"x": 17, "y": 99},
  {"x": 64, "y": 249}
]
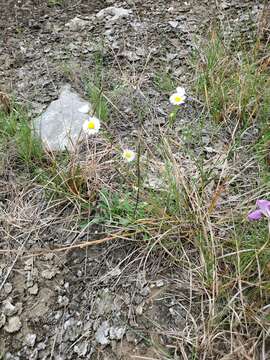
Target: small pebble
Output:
[
  {"x": 48, "y": 274},
  {"x": 63, "y": 300},
  {"x": 33, "y": 290},
  {"x": 8, "y": 288},
  {"x": 8, "y": 308},
  {"x": 2, "y": 320},
  {"x": 139, "y": 310},
  {"x": 81, "y": 349},
  {"x": 159, "y": 283},
  {"x": 30, "y": 339},
  {"x": 13, "y": 324}
]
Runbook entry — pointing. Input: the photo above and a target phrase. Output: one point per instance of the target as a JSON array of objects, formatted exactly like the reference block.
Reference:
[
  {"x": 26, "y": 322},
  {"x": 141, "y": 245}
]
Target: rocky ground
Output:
[{"x": 109, "y": 301}]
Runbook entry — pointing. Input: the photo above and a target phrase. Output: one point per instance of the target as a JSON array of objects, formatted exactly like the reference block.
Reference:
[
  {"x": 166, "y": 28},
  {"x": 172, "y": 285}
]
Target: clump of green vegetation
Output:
[
  {"x": 120, "y": 210},
  {"x": 15, "y": 128},
  {"x": 94, "y": 85},
  {"x": 234, "y": 84},
  {"x": 55, "y": 2},
  {"x": 164, "y": 82}
]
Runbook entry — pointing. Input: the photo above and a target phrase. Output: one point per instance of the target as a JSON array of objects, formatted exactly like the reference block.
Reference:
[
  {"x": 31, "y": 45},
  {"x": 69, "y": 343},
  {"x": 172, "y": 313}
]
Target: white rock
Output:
[
  {"x": 113, "y": 13},
  {"x": 102, "y": 333},
  {"x": 2, "y": 320},
  {"x": 28, "y": 264},
  {"x": 30, "y": 339},
  {"x": 63, "y": 300},
  {"x": 33, "y": 290},
  {"x": 160, "y": 283},
  {"x": 116, "y": 333},
  {"x": 60, "y": 126},
  {"x": 77, "y": 24},
  {"x": 139, "y": 310},
  {"x": 13, "y": 324},
  {"x": 173, "y": 24},
  {"x": 84, "y": 109},
  {"x": 81, "y": 349},
  {"x": 8, "y": 308},
  {"x": 48, "y": 274},
  {"x": 8, "y": 288},
  {"x": 130, "y": 55}
]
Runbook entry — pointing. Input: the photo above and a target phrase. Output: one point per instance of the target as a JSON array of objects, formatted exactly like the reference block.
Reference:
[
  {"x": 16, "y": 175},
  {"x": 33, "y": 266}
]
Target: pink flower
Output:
[{"x": 263, "y": 210}]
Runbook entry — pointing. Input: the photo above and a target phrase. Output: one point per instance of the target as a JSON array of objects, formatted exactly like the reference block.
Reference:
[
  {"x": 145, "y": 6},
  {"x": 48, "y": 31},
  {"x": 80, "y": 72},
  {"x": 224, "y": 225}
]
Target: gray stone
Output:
[
  {"x": 13, "y": 324},
  {"x": 60, "y": 126}
]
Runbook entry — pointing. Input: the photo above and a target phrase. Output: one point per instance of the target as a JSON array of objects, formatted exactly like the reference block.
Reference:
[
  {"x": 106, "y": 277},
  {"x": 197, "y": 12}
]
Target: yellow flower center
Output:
[
  {"x": 91, "y": 125},
  {"x": 178, "y": 98}
]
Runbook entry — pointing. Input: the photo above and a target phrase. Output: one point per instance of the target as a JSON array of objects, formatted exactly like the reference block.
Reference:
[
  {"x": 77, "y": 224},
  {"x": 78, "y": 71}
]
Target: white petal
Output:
[
  {"x": 97, "y": 123},
  {"x": 85, "y": 126},
  {"x": 172, "y": 99},
  {"x": 180, "y": 90},
  {"x": 84, "y": 109}
]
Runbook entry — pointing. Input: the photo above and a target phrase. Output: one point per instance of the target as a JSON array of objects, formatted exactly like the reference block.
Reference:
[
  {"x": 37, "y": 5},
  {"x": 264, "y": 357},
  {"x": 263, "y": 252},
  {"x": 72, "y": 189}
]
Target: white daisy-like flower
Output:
[
  {"x": 84, "y": 109},
  {"x": 179, "y": 97},
  {"x": 129, "y": 155},
  {"x": 91, "y": 126}
]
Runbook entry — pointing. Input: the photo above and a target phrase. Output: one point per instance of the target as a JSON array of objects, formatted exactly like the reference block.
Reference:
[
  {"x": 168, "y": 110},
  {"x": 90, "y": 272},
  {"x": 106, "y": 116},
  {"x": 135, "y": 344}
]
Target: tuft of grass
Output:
[
  {"x": 55, "y": 2},
  {"x": 98, "y": 101},
  {"x": 94, "y": 84},
  {"x": 15, "y": 128},
  {"x": 119, "y": 209},
  {"x": 234, "y": 84}
]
